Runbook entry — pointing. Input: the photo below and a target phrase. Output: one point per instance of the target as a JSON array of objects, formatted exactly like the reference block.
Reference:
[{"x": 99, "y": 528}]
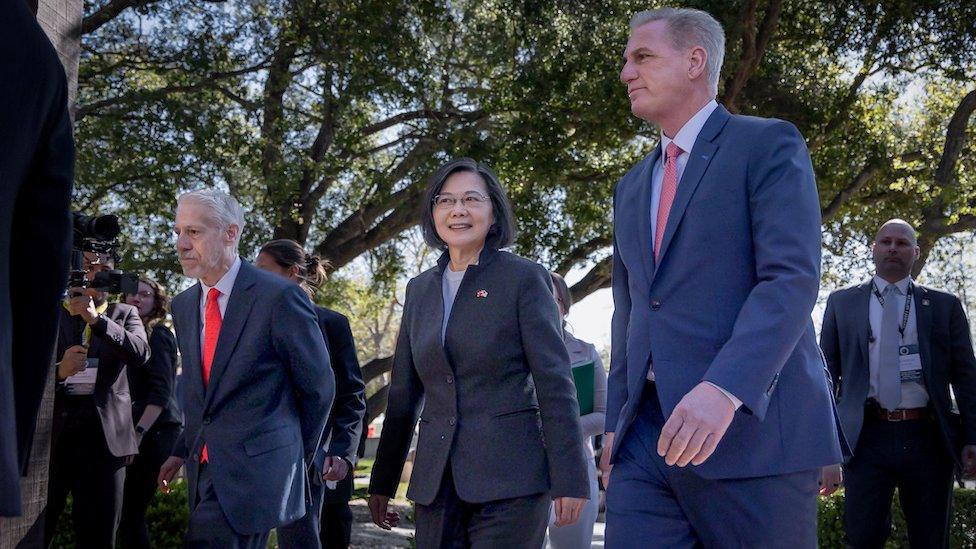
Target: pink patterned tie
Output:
[{"x": 668, "y": 190}]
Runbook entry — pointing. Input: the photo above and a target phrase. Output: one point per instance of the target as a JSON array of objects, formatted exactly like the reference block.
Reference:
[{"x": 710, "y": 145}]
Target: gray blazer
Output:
[
  {"x": 263, "y": 412},
  {"x": 498, "y": 400}
]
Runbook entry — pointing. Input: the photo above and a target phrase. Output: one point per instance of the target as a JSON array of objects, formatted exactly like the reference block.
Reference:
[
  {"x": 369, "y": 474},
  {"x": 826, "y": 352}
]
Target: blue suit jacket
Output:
[
  {"x": 264, "y": 409},
  {"x": 730, "y": 298}
]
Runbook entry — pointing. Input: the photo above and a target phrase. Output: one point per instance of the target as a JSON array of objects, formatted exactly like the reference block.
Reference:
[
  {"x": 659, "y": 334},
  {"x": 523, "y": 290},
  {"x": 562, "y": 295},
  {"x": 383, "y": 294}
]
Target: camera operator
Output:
[{"x": 93, "y": 436}]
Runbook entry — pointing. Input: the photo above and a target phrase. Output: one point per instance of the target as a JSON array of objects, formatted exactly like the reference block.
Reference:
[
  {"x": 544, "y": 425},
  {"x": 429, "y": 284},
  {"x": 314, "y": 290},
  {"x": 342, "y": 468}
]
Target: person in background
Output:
[
  {"x": 93, "y": 436},
  {"x": 481, "y": 351},
  {"x": 581, "y": 354},
  {"x": 336, "y": 458},
  {"x": 157, "y": 416},
  {"x": 894, "y": 348}
]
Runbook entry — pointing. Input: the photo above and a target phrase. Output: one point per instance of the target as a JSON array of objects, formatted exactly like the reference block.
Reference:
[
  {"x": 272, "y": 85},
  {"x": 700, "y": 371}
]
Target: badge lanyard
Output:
[{"x": 908, "y": 307}]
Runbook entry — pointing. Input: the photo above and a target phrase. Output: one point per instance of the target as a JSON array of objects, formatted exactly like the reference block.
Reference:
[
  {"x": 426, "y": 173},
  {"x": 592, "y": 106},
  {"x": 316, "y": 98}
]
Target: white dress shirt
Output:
[
  {"x": 913, "y": 395},
  {"x": 225, "y": 285},
  {"x": 685, "y": 140}
]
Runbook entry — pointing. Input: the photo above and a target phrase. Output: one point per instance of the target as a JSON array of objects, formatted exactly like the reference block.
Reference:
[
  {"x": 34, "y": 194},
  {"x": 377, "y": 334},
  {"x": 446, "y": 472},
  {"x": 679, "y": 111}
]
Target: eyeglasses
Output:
[{"x": 470, "y": 199}]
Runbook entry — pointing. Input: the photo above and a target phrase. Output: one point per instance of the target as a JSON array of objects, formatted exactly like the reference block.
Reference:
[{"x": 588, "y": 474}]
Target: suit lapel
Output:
[
  {"x": 698, "y": 160},
  {"x": 862, "y": 322},
  {"x": 235, "y": 317},
  {"x": 434, "y": 294},
  {"x": 645, "y": 186},
  {"x": 923, "y": 324},
  {"x": 190, "y": 323}
]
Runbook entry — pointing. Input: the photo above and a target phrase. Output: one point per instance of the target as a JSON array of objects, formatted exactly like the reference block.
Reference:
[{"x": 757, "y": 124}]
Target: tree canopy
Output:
[{"x": 325, "y": 118}]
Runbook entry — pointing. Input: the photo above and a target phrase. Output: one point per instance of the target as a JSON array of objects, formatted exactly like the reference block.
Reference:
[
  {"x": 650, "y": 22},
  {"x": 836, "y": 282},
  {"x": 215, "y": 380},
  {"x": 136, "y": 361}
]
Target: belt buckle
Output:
[{"x": 896, "y": 415}]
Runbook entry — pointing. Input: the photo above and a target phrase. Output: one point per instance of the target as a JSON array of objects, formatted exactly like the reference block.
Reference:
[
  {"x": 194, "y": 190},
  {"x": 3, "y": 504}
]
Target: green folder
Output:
[{"x": 583, "y": 379}]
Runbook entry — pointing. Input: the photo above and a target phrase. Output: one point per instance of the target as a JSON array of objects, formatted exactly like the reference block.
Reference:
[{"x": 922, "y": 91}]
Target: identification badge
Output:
[
  {"x": 910, "y": 364},
  {"x": 83, "y": 383}
]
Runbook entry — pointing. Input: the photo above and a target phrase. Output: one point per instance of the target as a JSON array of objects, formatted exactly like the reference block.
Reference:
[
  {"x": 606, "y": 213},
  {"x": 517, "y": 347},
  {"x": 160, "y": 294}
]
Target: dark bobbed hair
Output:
[
  {"x": 502, "y": 232},
  {"x": 561, "y": 290},
  {"x": 160, "y": 302},
  {"x": 311, "y": 268}
]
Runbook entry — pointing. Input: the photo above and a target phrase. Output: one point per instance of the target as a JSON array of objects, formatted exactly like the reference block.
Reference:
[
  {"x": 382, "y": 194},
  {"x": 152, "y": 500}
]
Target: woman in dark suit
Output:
[
  {"x": 157, "y": 416},
  {"x": 480, "y": 353},
  {"x": 336, "y": 458}
]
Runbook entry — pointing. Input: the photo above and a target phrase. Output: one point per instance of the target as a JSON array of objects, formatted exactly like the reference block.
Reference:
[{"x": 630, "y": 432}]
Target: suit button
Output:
[
  {"x": 655, "y": 305},
  {"x": 452, "y": 421},
  {"x": 196, "y": 457},
  {"x": 206, "y": 421},
  {"x": 450, "y": 379}
]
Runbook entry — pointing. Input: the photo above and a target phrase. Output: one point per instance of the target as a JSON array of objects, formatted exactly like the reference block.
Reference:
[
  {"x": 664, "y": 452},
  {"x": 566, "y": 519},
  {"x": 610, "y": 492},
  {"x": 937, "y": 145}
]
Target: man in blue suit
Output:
[
  {"x": 719, "y": 412},
  {"x": 257, "y": 386}
]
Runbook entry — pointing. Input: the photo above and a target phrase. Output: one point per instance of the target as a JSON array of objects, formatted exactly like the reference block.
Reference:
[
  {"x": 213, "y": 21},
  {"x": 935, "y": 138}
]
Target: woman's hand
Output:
[
  {"x": 567, "y": 510},
  {"x": 382, "y": 517}
]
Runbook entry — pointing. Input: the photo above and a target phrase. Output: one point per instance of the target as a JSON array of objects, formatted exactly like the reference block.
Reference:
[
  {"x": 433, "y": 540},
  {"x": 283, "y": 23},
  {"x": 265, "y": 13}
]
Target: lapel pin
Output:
[
  {"x": 481, "y": 294},
  {"x": 925, "y": 303}
]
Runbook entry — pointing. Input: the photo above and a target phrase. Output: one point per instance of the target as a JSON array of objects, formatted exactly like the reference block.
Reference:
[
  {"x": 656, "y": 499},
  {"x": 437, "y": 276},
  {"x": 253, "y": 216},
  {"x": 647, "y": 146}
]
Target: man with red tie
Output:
[{"x": 257, "y": 386}]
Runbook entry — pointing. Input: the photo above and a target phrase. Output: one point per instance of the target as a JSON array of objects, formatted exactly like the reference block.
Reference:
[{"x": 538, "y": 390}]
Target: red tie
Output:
[
  {"x": 668, "y": 189},
  {"x": 211, "y": 331}
]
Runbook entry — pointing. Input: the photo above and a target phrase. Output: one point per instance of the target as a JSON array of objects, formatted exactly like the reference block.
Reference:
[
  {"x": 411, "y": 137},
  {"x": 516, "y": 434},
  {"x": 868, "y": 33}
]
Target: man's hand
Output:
[
  {"x": 73, "y": 361},
  {"x": 605, "y": 465},
  {"x": 831, "y": 478},
  {"x": 969, "y": 460},
  {"x": 335, "y": 468},
  {"x": 382, "y": 517},
  {"x": 567, "y": 510},
  {"x": 82, "y": 305},
  {"x": 167, "y": 472},
  {"x": 696, "y": 426}
]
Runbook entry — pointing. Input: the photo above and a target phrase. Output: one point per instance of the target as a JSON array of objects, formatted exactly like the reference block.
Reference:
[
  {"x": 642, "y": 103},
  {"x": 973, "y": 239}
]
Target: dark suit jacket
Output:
[
  {"x": 734, "y": 311},
  {"x": 498, "y": 400},
  {"x": 36, "y": 171},
  {"x": 342, "y": 432},
  {"x": 118, "y": 340},
  {"x": 946, "y": 353},
  {"x": 263, "y": 411},
  {"x": 156, "y": 382}
]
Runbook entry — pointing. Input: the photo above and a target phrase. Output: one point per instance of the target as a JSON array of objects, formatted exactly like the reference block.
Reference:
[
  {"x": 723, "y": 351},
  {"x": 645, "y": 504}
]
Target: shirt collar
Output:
[
  {"x": 226, "y": 282},
  {"x": 902, "y": 284},
  {"x": 688, "y": 134}
]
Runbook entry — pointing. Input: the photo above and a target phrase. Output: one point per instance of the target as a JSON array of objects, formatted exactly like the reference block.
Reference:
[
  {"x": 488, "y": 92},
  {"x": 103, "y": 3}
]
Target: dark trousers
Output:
[
  {"x": 82, "y": 465},
  {"x": 651, "y": 504},
  {"x": 336, "y": 532},
  {"x": 449, "y": 522},
  {"x": 140, "y": 484},
  {"x": 908, "y": 455},
  {"x": 209, "y": 527}
]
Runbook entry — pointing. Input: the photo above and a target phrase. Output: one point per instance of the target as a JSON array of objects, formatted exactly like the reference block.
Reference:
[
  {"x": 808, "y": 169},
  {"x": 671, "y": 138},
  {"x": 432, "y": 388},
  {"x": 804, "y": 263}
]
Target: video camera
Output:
[{"x": 97, "y": 234}]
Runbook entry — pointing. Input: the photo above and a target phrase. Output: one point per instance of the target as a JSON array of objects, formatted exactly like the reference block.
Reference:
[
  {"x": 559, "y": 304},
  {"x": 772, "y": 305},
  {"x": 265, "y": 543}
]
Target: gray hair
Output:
[
  {"x": 690, "y": 28},
  {"x": 225, "y": 208}
]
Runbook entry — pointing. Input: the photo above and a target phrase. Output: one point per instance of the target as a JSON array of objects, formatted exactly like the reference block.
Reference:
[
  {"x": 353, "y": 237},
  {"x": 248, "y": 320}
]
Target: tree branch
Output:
[
  {"x": 754, "y": 44},
  {"x": 598, "y": 277},
  {"x": 583, "y": 251}
]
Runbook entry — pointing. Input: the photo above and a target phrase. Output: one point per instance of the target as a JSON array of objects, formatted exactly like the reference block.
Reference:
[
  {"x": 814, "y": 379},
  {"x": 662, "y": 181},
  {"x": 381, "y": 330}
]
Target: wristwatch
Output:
[{"x": 140, "y": 429}]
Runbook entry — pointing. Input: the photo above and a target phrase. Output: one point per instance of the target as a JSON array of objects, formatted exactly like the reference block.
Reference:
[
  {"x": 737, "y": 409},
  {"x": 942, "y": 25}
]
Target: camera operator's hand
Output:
[
  {"x": 72, "y": 362},
  {"x": 82, "y": 305}
]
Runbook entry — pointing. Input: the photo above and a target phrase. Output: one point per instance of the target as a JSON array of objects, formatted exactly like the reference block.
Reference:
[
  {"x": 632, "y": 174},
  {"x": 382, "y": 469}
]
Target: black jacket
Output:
[
  {"x": 946, "y": 354},
  {"x": 156, "y": 382},
  {"x": 342, "y": 433},
  {"x": 118, "y": 340},
  {"x": 36, "y": 171}
]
